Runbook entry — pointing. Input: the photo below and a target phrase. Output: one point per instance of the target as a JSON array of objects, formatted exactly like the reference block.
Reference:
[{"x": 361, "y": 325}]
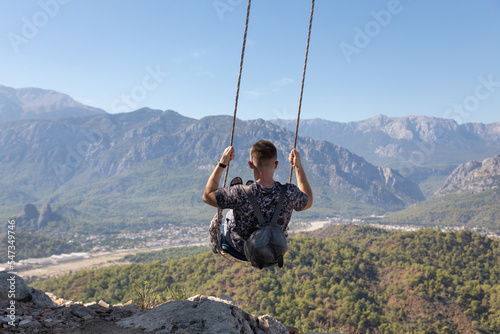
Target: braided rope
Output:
[
  {"x": 239, "y": 82},
  {"x": 303, "y": 81},
  {"x": 215, "y": 232}
]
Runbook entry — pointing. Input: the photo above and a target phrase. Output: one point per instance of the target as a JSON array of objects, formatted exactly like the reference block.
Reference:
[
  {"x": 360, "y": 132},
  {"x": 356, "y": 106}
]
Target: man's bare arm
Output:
[
  {"x": 302, "y": 182},
  {"x": 214, "y": 179}
]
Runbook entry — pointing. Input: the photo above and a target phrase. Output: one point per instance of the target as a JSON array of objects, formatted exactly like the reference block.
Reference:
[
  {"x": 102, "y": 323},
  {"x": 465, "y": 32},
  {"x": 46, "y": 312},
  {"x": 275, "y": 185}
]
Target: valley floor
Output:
[
  {"x": 93, "y": 261},
  {"x": 112, "y": 258},
  {"x": 101, "y": 259}
]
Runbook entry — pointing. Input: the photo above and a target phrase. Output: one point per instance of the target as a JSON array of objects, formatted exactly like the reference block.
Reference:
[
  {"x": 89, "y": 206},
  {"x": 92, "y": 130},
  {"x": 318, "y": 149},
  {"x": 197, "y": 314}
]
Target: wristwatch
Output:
[{"x": 221, "y": 165}]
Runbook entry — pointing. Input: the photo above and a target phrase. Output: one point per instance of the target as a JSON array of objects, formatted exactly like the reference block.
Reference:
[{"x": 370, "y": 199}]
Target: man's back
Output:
[
  {"x": 263, "y": 162},
  {"x": 245, "y": 222}
]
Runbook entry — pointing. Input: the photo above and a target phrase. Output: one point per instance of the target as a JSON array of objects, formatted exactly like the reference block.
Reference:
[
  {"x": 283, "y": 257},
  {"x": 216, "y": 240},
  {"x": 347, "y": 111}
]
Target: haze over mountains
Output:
[
  {"x": 149, "y": 166},
  {"x": 154, "y": 164},
  {"x": 36, "y": 103},
  {"x": 469, "y": 197},
  {"x": 424, "y": 149},
  {"x": 394, "y": 139},
  {"x": 473, "y": 177}
]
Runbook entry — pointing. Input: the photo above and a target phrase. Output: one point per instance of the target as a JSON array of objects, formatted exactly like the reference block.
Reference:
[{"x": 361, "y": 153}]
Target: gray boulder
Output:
[
  {"x": 202, "y": 314},
  {"x": 13, "y": 287},
  {"x": 40, "y": 299},
  {"x": 11, "y": 284}
]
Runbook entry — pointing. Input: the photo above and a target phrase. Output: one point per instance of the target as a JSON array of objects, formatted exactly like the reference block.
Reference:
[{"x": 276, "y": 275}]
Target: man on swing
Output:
[{"x": 266, "y": 191}]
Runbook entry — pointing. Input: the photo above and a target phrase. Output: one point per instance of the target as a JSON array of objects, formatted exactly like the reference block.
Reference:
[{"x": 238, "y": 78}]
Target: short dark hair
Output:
[{"x": 263, "y": 152}]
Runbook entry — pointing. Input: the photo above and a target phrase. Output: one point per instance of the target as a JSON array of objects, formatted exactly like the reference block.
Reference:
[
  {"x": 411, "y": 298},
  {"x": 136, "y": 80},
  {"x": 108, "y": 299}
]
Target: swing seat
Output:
[
  {"x": 215, "y": 226},
  {"x": 228, "y": 248}
]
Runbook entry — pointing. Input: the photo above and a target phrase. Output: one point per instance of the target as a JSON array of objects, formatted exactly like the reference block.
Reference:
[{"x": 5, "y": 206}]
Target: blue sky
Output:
[{"x": 398, "y": 58}]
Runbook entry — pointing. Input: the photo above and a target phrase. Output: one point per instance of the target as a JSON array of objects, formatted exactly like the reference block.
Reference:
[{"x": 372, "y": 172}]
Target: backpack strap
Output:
[
  {"x": 255, "y": 206},
  {"x": 279, "y": 206},
  {"x": 256, "y": 209}
]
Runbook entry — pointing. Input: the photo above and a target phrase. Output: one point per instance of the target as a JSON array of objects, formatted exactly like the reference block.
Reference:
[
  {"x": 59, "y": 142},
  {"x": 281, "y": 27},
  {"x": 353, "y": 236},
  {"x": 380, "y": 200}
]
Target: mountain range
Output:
[
  {"x": 112, "y": 171},
  {"x": 473, "y": 177},
  {"x": 36, "y": 103},
  {"x": 469, "y": 197},
  {"x": 154, "y": 164},
  {"x": 424, "y": 149}
]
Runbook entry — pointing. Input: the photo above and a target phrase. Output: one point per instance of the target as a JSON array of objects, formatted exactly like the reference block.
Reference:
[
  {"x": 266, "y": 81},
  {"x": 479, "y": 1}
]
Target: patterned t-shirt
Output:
[{"x": 245, "y": 222}]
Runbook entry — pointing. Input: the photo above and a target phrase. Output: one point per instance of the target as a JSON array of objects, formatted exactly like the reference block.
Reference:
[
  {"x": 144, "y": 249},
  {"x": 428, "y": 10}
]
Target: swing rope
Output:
[
  {"x": 238, "y": 86},
  {"x": 215, "y": 232},
  {"x": 303, "y": 81}
]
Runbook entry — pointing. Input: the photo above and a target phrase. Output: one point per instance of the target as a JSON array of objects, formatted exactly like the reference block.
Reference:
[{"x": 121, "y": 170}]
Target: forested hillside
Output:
[
  {"x": 470, "y": 210},
  {"x": 165, "y": 254},
  {"x": 339, "y": 279}
]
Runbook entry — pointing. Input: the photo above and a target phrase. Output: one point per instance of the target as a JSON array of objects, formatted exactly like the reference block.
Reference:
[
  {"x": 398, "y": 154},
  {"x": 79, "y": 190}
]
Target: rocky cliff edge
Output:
[{"x": 27, "y": 310}]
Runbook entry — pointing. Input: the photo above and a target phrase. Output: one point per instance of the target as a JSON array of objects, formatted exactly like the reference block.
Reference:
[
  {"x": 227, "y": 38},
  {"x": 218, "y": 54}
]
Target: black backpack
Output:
[{"x": 266, "y": 246}]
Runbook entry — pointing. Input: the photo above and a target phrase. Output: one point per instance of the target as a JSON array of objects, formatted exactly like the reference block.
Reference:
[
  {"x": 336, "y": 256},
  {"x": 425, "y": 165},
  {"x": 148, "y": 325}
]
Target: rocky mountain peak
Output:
[
  {"x": 29, "y": 215},
  {"x": 473, "y": 177},
  {"x": 37, "y": 103},
  {"x": 45, "y": 216},
  {"x": 419, "y": 147}
]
